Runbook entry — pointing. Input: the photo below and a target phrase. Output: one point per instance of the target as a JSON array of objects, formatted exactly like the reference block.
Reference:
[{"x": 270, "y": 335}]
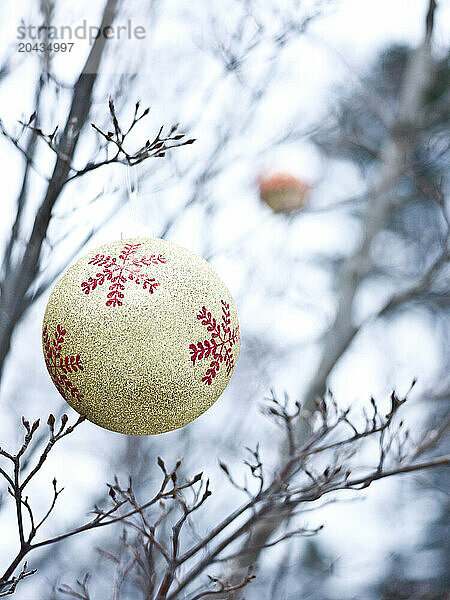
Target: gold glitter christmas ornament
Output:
[{"x": 141, "y": 336}]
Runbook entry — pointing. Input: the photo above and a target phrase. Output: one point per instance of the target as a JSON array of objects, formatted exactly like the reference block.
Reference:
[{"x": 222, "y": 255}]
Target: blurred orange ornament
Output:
[{"x": 284, "y": 193}]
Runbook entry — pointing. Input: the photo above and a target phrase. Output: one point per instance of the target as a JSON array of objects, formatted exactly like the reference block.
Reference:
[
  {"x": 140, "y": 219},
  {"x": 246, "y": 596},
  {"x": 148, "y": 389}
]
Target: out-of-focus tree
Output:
[
  {"x": 392, "y": 126},
  {"x": 419, "y": 223}
]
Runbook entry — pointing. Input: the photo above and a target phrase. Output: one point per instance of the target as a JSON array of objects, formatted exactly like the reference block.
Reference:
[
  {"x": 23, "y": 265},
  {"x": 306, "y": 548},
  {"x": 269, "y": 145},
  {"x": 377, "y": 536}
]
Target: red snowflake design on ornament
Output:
[
  {"x": 130, "y": 269},
  {"x": 220, "y": 344},
  {"x": 59, "y": 366}
]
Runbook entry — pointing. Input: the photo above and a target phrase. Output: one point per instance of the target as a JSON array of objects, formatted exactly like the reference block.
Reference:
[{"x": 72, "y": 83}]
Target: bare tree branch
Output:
[
  {"x": 300, "y": 481},
  {"x": 20, "y": 278}
]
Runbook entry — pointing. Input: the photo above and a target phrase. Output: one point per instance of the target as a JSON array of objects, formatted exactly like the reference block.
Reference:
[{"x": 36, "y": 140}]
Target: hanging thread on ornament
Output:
[
  {"x": 132, "y": 187},
  {"x": 135, "y": 227}
]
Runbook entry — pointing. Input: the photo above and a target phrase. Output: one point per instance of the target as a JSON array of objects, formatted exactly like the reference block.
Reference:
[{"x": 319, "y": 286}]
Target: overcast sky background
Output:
[{"x": 250, "y": 245}]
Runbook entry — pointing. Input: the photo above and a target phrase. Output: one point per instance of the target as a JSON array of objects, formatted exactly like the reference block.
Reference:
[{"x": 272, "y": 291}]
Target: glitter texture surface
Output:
[{"x": 154, "y": 329}]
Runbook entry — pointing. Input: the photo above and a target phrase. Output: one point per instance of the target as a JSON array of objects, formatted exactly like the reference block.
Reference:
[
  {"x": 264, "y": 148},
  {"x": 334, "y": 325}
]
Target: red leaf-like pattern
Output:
[
  {"x": 220, "y": 344},
  {"x": 119, "y": 273},
  {"x": 58, "y": 366}
]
